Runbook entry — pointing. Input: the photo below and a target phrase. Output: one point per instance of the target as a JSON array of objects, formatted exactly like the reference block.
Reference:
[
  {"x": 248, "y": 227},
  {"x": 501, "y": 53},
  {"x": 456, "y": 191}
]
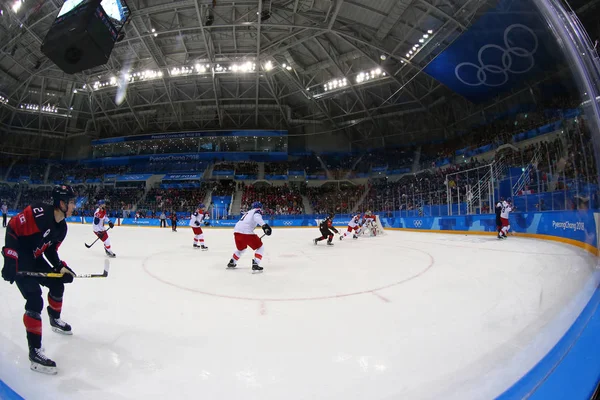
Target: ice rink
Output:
[{"x": 402, "y": 316}]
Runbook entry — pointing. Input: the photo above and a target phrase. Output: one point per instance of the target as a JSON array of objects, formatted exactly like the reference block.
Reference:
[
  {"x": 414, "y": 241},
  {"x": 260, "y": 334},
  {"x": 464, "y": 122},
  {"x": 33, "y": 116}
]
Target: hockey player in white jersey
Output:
[
  {"x": 353, "y": 227},
  {"x": 198, "y": 218},
  {"x": 507, "y": 207},
  {"x": 100, "y": 219},
  {"x": 244, "y": 236},
  {"x": 368, "y": 224}
]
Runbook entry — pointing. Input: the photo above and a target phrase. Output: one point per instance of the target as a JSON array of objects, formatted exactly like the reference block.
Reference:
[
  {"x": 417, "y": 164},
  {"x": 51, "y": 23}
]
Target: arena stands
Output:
[{"x": 276, "y": 200}]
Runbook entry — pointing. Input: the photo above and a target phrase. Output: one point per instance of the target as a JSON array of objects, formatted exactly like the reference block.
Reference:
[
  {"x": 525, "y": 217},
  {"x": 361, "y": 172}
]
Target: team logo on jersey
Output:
[
  {"x": 417, "y": 223},
  {"x": 47, "y": 233},
  {"x": 38, "y": 252}
]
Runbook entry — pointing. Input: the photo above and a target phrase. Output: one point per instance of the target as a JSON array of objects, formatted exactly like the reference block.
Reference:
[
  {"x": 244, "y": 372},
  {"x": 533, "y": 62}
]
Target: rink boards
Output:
[{"x": 578, "y": 228}]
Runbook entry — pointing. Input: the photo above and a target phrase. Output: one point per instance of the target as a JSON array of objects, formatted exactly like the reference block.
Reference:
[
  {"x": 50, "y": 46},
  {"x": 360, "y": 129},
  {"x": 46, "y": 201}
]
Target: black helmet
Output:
[
  {"x": 62, "y": 192},
  {"x": 330, "y": 216}
]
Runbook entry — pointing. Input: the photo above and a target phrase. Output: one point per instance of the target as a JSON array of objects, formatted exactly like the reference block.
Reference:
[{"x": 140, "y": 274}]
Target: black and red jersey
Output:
[
  {"x": 34, "y": 232},
  {"x": 327, "y": 224}
]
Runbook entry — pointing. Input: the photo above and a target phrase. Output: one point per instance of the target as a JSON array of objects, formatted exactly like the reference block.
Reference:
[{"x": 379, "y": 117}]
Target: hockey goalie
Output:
[{"x": 371, "y": 225}]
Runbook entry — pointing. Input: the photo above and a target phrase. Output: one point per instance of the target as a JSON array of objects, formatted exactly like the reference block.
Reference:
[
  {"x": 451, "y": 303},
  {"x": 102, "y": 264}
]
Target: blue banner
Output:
[
  {"x": 223, "y": 173},
  {"x": 507, "y": 45},
  {"x": 134, "y": 178},
  {"x": 182, "y": 177},
  {"x": 184, "y": 135},
  {"x": 263, "y": 156},
  {"x": 575, "y": 225},
  {"x": 276, "y": 177}
]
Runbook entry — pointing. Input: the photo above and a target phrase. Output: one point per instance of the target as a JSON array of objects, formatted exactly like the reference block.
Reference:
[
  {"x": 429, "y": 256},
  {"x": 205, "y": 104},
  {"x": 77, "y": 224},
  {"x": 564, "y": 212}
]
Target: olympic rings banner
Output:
[{"x": 507, "y": 45}]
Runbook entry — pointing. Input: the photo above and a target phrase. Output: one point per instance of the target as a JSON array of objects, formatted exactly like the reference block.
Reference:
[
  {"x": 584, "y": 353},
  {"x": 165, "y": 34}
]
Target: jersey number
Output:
[
  {"x": 243, "y": 216},
  {"x": 39, "y": 211}
]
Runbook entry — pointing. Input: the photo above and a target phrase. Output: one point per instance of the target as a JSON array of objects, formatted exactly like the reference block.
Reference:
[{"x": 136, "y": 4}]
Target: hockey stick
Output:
[
  {"x": 104, "y": 274},
  {"x": 90, "y": 245}
]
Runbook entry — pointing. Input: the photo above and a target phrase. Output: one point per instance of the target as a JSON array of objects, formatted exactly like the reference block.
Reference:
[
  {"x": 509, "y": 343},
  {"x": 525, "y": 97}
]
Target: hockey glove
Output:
[
  {"x": 111, "y": 224},
  {"x": 267, "y": 229},
  {"x": 11, "y": 260},
  {"x": 68, "y": 273},
  {"x": 206, "y": 223},
  {"x": 197, "y": 223}
]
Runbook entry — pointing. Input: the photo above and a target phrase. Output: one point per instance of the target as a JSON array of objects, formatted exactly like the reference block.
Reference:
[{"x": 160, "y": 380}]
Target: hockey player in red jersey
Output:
[
  {"x": 244, "y": 236},
  {"x": 198, "y": 218},
  {"x": 36, "y": 232},
  {"x": 353, "y": 227},
  {"x": 100, "y": 219}
]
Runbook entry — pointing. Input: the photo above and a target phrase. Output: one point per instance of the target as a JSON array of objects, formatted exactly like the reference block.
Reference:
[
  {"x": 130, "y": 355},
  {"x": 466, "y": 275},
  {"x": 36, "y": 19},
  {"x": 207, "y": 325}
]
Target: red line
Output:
[
  {"x": 335, "y": 296},
  {"x": 381, "y": 297}
]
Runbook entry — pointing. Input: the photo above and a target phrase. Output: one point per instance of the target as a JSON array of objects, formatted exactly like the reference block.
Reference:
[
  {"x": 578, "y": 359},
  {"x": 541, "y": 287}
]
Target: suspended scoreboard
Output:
[{"x": 84, "y": 33}]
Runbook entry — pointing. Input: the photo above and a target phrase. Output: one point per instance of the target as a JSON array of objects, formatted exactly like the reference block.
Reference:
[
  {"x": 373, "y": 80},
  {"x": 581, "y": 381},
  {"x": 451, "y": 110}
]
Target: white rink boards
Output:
[{"x": 405, "y": 315}]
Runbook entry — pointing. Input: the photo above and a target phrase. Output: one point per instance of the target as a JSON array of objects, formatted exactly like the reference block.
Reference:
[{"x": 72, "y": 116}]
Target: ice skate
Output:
[
  {"x": 41, "y": 363},
  {"x": 329, "y": 243},
  {"x": 110, "y": 253},
  {"x": 203, "y": 248},
  {"x": 196, "y": 246},
  {"x": 341, "y": 237},
  {"x": 60, "y": 326},
  {"x": 231, "y": 264},
  {"x": 256, "y": 269},
  {"x": 355, "y": 236},
  {"x": 315, "y": 241}
]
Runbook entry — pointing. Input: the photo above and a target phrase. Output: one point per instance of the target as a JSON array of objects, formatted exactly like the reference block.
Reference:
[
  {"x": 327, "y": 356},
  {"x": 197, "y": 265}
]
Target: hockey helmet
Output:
[
  {"x": 330, "y": 216},
  {"x": 101, "y": 203},
  {"x": 509, "y": 200},
  {"x": 257, "y": 204},
  {"x": 62, "y": 192},
  {"x": 368, "y": 212},
  {"x": 201, "y": 206}
]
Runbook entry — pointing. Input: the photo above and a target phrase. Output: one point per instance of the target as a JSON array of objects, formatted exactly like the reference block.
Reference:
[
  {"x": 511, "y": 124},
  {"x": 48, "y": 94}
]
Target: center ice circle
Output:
[{"x": 305, "y": 273}]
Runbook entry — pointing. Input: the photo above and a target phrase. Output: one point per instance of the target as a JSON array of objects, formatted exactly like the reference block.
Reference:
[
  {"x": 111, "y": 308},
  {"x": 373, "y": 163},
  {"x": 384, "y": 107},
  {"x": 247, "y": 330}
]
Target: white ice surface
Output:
[{"x": 402, "y": 316}]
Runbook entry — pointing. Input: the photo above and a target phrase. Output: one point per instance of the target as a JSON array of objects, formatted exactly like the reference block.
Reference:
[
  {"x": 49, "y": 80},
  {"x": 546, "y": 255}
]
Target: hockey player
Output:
[
  {"x": 4, "y": 214},
  {"x": 326, "y": 227},
  {"x": 244, "y": 236},
  {"x": 173, "y": 221},
  {"x": 353, "y": 227},
  {"x": 100, "y": 219},
  {"x": 498, "y": 210},
  {"x": 199, "y": 217},
  {"x": 36, "y": 232},
  {"x": 368, "y": 222},
  {"x": 506, "y": 210}
]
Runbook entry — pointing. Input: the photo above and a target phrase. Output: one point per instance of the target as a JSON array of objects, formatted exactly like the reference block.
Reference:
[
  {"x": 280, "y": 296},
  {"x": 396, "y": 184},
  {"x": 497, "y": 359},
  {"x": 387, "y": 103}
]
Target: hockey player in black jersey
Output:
[
  {"x": 326, "y": 227},
  {"x": 36, "y": 232},
  {"x": 498, "y": 210}
]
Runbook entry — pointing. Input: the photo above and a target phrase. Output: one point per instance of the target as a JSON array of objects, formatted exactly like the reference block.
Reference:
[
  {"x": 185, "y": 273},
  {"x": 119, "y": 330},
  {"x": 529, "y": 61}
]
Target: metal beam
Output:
[
  {"x": 258, "y": 59},
  {"x": 335, "y": 14},
  {"x": 442, "y": 13},
  {"x": 211, "y": 58},
  {"x": 160, "y": 62}
]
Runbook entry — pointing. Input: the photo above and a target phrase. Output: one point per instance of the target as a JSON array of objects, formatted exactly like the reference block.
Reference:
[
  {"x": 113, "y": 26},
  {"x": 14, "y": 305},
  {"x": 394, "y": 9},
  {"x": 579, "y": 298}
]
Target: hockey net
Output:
[{"x": 373, "y": 228}]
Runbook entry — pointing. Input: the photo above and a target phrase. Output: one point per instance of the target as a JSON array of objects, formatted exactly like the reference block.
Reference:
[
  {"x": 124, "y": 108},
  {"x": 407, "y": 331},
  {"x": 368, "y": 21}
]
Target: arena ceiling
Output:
[{"x": 302, "y": 65}]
